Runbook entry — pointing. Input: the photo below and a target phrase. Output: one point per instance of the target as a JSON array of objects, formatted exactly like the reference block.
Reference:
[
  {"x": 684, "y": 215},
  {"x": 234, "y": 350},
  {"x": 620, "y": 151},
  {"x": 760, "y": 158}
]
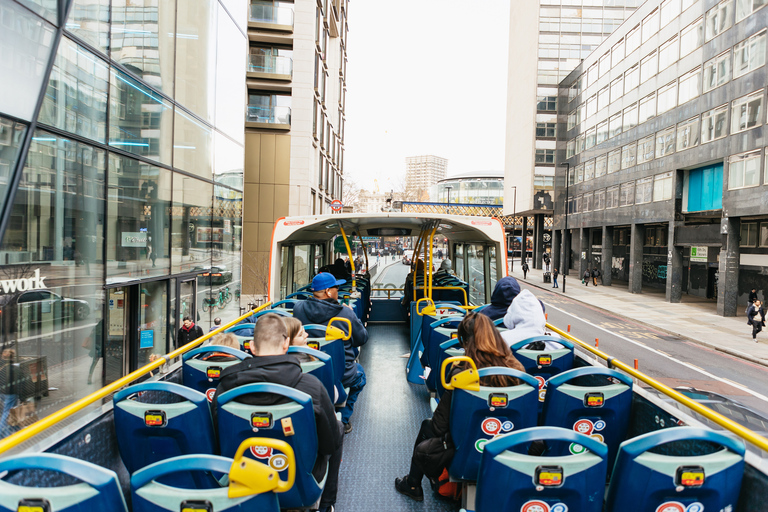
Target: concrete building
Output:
[
  {"x": 555, "y": 38},
  {"x": 294, "y": 126},
  {"x": 371, "y": 201},
  {"x": 661, "y": 162},
  {"x": 421, "y": 172}
]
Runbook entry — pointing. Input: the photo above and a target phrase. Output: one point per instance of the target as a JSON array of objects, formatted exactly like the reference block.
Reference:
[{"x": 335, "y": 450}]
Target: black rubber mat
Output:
[{"x": 385, "y": 423}]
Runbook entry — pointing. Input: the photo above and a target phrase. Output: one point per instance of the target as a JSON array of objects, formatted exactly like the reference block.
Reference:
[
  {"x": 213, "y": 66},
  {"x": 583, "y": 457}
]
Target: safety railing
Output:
[
  {"x": 388, "y": 290},
  {"x": 62, "y": 414},
  {"x": 262, "y": 12},
  {"x": 270, "y": 64},
  {"x": 730, "y": 425},
  {"x": 463, "y": 291},
  {"x": 271, "y": 115}
]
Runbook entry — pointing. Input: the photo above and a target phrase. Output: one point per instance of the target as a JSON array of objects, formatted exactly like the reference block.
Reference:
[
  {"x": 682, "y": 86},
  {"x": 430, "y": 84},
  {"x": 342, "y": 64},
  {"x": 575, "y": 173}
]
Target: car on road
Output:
[
  {"x": 407, "y": 255},
  {"x": 60, "y": 306},
  {"x": 213, "y": 275}
]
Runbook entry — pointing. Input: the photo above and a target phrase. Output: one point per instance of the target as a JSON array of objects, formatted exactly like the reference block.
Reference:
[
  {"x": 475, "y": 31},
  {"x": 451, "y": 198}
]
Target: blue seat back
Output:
[
  {"x": 511, "y": 480},
  {"x": 322, "y": 367},
  {"x": 98, "y": 489},
  {"x": 334, "y": 348},
  {"x": 599, "y": 411},
  {"x": 434, "y": 331},
  {"x": 544, "y": 363},
  {"x": 448, "y": 348},
  {"x": 238, "y": 422},
  {"x": 162, "y": 430},
  {"x": 479, "y": 416},
  {"x": 150, "y": 493},
  {"x": 685, "y": 481},
  {"x": 202, "y": 375}
]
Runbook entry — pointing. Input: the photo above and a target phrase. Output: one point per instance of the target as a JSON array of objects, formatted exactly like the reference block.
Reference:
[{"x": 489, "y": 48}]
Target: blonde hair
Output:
[
  {"x": 293, "y": 326},
  {"x": 226, "y": 340}
]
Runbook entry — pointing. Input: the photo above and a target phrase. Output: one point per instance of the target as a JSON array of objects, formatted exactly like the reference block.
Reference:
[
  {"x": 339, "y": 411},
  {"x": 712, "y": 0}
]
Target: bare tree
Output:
[
  {"x": 403, "y": 193},
  {"x": 351, "y": 193},
  {"x": 255, "y": 276}
]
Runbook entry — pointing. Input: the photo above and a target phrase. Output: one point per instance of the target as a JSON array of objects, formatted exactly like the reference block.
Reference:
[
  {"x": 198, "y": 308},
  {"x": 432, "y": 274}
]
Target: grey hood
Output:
[{"x": 524, "y": 319}]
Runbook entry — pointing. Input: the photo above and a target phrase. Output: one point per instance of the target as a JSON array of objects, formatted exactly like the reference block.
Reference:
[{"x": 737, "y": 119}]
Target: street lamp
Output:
[
  {"x": 565, "y": 237},
  {"x": 448, "y": 203}
]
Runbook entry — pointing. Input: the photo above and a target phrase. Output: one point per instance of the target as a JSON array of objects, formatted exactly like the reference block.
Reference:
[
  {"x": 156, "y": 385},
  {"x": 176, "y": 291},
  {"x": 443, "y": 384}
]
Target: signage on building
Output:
[
  {"x": 699, "y": 253},
  {"x": 336, "y": 205},
  {"x": 134, "y": 239},
  {"x": 23, "y": 284}
]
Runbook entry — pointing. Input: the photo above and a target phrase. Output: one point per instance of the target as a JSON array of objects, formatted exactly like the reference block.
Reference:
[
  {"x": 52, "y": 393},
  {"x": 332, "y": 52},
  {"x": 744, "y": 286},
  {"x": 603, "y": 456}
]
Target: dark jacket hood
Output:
[
  {"x": 283, "y": 369},
  {"x": 507, "y": 288}
]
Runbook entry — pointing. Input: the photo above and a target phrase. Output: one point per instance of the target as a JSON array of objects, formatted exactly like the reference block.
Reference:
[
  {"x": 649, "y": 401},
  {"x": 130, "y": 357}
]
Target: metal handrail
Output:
[
  {"x": 728, "y": 424},
  {"x": 32, "y": 430},
  {"x": 466, "y": 302}
]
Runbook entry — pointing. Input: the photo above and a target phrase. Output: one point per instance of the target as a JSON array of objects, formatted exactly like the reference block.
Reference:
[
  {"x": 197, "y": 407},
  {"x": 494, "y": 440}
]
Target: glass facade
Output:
[{"x": 113, "y": 229}]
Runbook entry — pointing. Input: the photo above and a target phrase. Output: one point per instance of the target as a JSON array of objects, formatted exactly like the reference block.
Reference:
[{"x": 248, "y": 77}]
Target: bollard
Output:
[
  {"x": 569, "y": 327},
  {"x": 636, "y": 365},
  {"x": 597, "y": 343},
  {"x": 546, "y": 316}
]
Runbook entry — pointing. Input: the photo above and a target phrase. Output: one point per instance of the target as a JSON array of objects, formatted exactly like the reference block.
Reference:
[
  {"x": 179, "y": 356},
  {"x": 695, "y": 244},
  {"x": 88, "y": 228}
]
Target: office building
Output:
[
  {"x": 294, "y": 125},
  {"x": 662, "y": 168},
  {"x": 555, "y": 39},
  {"x": 479, "y": 187},
  {"x": 421, "y": 172}
]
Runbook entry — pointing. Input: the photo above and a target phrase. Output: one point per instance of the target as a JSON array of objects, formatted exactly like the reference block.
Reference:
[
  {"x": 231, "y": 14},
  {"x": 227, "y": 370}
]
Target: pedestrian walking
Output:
[
  {"x": 595, "y": 275},
  {"x": 752, "y": 296},
  {"x": 546, "y": 259},
  {"x": 525, "y": 269},
  {"x": 585, "y": 278},
  {"x": 554, "y": 279},
  {"x": 756, "y": 318}
]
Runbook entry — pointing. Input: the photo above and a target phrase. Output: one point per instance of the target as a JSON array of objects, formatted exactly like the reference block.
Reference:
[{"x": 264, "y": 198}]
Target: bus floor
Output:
[{"x": 386, "y": 420}]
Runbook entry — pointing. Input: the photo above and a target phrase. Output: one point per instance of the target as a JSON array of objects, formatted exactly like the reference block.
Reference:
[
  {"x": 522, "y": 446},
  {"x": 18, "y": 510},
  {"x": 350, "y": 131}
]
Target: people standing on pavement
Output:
[
  {"x": 188, "y": 332},
  {"x": 216, "y": 324},
  {"x": 525, "y": 270},
  {"x": 595, "y": 275},
  {"x": 554, "y": 278},
  {"x": 585, "y": 278},
  {"x": 756, "y": 322},
  {"x": 753, "y": 296},
  {"x": 546, "y": 259}
]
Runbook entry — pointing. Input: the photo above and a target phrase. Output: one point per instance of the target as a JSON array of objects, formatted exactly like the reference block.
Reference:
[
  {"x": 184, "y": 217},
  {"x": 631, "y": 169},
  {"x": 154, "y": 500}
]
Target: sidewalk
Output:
[{"x": 695, "y": 318}]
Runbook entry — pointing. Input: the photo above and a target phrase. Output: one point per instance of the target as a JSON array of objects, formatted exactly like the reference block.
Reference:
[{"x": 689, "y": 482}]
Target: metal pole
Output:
[
  {"x": 514, "y": 213},
  {"x": 567, "y": 236},
  {"x": 448, "y": 202}
]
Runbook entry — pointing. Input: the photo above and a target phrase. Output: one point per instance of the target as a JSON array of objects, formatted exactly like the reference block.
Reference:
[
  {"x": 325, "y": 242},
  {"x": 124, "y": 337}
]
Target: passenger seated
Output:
[
  {"x": 319, "y": 309},
  {"x": 445, "y": 270},
  {"x": 339, "y": 269},
  {"x": 271, "y": 364},
  {"x": 226, "y": 339},
  {"x": 525, "y": 319},
  {"x": 482, "y": 343},
  {"x": 507, "y": 288},
  {"x": 298, "y": 337}
]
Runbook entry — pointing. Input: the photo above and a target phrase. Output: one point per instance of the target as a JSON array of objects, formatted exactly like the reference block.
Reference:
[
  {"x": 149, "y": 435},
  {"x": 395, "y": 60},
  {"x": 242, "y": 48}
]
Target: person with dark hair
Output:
[
  {"x": 272, "y": 364},
  {"x": 482, "y": 343},
  {"x": 525, "y": 269},
  {"x": 752, "y": 296},
  {"x": 188, "y": 331},
  {"x": 507, "y": 288},
  {"x": 216, "y": 324},
  {"x": 339, "y": 269}
]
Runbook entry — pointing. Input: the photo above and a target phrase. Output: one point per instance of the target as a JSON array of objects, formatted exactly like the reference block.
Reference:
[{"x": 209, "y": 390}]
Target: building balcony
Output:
[
  {"x": 278, "y": 118},
  {"x": 267, "y": 16},
  {"x": 270, "y": 67}
]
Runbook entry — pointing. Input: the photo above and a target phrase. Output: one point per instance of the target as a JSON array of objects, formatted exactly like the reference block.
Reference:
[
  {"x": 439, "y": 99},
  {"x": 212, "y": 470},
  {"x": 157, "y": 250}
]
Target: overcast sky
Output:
[{"x": 425, "y": 77}]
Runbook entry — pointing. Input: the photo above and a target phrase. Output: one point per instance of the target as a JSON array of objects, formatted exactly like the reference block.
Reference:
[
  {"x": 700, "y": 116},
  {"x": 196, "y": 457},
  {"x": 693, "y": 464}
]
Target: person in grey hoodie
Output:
[{"x": 525, "y": 319}]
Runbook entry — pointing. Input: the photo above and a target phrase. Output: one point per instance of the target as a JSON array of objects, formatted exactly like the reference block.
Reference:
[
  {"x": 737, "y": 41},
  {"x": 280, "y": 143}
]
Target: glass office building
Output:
[{"x": 121, "y": 128}]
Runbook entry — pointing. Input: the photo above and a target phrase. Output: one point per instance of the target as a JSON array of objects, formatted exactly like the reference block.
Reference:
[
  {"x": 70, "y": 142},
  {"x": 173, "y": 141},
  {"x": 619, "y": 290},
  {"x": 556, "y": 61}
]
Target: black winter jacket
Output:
[
  {"x": 315, "y": 311},
  {"x": 507, "y": 288},
  {"x": 187, "y": 335}
]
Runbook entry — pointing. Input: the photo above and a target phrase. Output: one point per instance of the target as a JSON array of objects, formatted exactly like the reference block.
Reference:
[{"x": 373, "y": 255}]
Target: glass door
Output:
[
  {"x": 152, "y": 328},
  {"x": 186, "y": 303},
  {"x": 118, "y": 333}
]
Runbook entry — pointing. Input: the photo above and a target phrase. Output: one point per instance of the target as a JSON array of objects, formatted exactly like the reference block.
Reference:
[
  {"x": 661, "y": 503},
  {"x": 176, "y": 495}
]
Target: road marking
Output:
[{"x": 662, "y": 354}]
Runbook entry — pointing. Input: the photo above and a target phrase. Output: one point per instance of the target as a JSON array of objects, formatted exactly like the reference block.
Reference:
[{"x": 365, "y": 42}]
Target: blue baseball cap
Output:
[{"x": 325, "y": 280}]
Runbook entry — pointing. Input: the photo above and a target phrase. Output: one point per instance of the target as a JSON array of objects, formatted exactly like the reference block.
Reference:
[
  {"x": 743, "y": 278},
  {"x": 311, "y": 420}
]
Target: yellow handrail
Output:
[
  {"x": 351, "y": 259},
  {"x": 22, "y": 435},
  {"x": 741, "y": 431},
  {"x": 430, "y": 264},
  {"x": 365, "y": 251},
  {"x": 466, "y": 302},
  {"x": 414, "y": 261}
]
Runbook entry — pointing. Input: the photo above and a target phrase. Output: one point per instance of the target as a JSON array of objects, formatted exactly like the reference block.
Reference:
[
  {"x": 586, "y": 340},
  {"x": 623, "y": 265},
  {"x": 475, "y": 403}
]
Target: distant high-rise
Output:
[{"x": 421, "y": 172}]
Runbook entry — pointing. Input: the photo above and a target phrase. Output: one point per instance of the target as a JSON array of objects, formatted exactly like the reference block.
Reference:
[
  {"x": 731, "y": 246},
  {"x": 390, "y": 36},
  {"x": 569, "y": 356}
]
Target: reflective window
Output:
[
  {"x": 628, "y": 155},
  {"x": 579, "y": 173},
  {"x": 692, "y": 37},
  {"x": 140, "y": 120},
  {"x": 614, "y": 161},
  {"x": 230, "y": 78},
  {"x": 749, "y": 54},
  {"x": 630, "y": 117},
  {"x": 589, "y": 170},
  {"x": 662, "y": 186},
  {"x": 747, "y": 112},
  {"x": 688, "y": 134},
  {"x": 592, "y": 106},
  {"x": 226, "y": 234},
  {"x": 668, "y": 54},
  {"x": 570, "y": 148},
  {"x": 665, "y": 142},
  {"x": 229, "y": 158},
  {"x": 545, "y": 130},
  {"x": 605, "y": 63},
  {"x": 744, "y": 170},
  {"x": 138, "y": 224},
  {"x": 602, "y": 133},
  {"x": 614, "y": 125},
  {"x": 191, "y": 231},
  {"x": 746, "y": 7},
  {"x": 714, "y": 124},
  {"x": 644, "y": 190},
  {"x": 599, "y": 201},
  {"x": 196, "y": 58},
  {"x": 648, "y": 67},
  {"x": 719, "y": 19},
  {"x": 603, "y": 98},
  {"x": 612, "y": 197},
  {"x": 617, "y": 53},
  {"x": 192, "y": 145},
  {"x": 589, "y": 139},
  {"x": 89, "y": 20},
  {"x": 264, "y": 107},
  {"x": 545, "y": 156},
  {"x": 645, "y": 149},
  {"x": 633, "y": 39},
  {"x": 617, "y": 88},
  {"x": 717, "y": 71},
  {"x": 669, "y": 11},
  {"x": 631, "y": 78},
  {"x": 687, "y": 3},
  {"x": 690, "y": 86},
  {"x": 571, "y": 120},
  {"x": 76, "y": 98},
  {"x": 587, "y": 203},
  {"x": 650, "y": 25},
  {"x": 666, "y": 98},
  {"x": 45, "y": 8},
  {"x": 546, "y": 103},
  {"x": 592, "y": 74},
  {"x": 627, "y": 194},
  {"x": 11, "y": 138},
  {"x": 647, "y": 108},
  {"x": 601, "y": 166}
]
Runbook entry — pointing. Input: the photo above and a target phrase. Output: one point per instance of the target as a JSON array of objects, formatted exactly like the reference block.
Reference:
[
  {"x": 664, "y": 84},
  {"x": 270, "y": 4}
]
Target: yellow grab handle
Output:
[
  {"x": 468, "y": 379},
  {"x": 334, "y": 333},
  {"x": 428, "y": 310},
  {"x": 248, "y": 477}
]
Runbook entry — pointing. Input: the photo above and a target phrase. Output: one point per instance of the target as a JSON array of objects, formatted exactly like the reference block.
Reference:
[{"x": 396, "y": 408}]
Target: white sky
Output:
[{"x": 425, "y": 77}]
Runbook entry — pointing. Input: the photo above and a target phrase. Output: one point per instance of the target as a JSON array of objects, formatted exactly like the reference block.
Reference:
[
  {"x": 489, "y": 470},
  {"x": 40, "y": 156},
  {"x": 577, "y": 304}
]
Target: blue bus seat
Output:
[
  {"x": 202, "y": 375},
  {"x": 162, "y": 430},
  {"x": 285, "y": 305},
  {"x": 599, "y": 409},
  {"x": 237, "y": 422},
  {"x": 334, "y": 347},
  {"x": 322, "y": 368},
  {"x": 99, "y": 488},
  {"x": 253, "y": 491},
  {"x": 513, "y": 481},
  {"x": 544, "y": 362},
  {"x": 481, "y": 413},
  {"x": 684, "y": 481},
  {"x": 448, "y": 348},
  {"x": 434, "y": 331},
  {"x": 300, "y": 295}
]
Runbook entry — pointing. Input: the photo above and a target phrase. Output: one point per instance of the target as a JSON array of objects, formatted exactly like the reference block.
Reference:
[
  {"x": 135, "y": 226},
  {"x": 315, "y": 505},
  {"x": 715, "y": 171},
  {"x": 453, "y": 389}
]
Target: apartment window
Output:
[
  {"x": 647, "y": 108},
  {"x": 589, "y": 170},
  {"x": 764, "y": 234},
  {"x": 592, "y": 74},
  {"x": 747, "y": 112},
  {"x": 668, "y": 54},
  {"x": 717, "y": 71},
  {"x": 571, "y": 120},
  {"x": 601, "y": 166},
  {"x": 614, "y": 161},
  {"x": 749, "y": 54},
  {"x": 580, "y": 144},
  {"x": 545, "y": 156},
  {"x": 587, "y": 203},
  {"x": 579, "y": 173},
  {"x": 628, "y": 155},
  {"x": 545, "y": 129},
  {"x": 605, "y": 63},
  {"x": 633, "y": 39},
  {"x": 744, "y": 170},
  {"x": 665, "y": 142},
  {"x": 630, "y": 117},
  {"x": 719, "y": 19},
  {"x": 617, "y": 53},
  {"x": 690, "y": 86},
  {"x": 644, "y": 190},
  {"x": 748, "y": 234},
  {"x": 650, "y": 25},
  {"x": 669, "y": 10},
  {"x": 570, "y": 148},
  {"x": 578, "y": 203},
  {"x": 314, "y": 205},
  {"x": 648, "y": 67},
  {"x": 688, "y": 134},
  {"x": 691, "y": 37},
  {"x": 602, "y": 133},
  {"x": 580, "y": 111},
  {"x": 612, "y": 197},
  {"x": 631, "y": 78},
  {"x": 765, "y": 179},
  {"x": 713, "y": 124},
  {"x": 662, "y": 187},
  {"x": 592, "y": 106},
  {"x": 589, "y": 139},
  {"x": 614, "y": 124},
  {"x": 617, "y": 88},
  {"x": 667, "y": 97},
  {"x": 746, "y": 7},
  {"x": 602, "y": 98},
  {"x": 626, "y": 193},
  {"x": 546, "y": 103},
  {"x": 599, "y": 201},
  {"x": 645, "y": 149}
]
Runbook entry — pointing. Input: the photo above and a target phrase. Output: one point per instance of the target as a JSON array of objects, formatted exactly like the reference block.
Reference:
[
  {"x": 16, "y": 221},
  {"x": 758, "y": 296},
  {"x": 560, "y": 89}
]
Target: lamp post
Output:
[
  {"x": 448, "y": 202},
  {"x": 566, "y": 241},
  {"x": 514, "y": 214}
]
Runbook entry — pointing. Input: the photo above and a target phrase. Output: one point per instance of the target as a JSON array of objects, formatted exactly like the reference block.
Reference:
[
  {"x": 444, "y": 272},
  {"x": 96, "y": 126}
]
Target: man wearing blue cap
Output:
[{"x": 319, "y": 309}]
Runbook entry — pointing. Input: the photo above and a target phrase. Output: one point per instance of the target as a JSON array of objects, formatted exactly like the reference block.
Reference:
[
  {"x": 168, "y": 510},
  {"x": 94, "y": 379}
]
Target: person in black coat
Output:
[
  {"x": 188, "y": 332},
  {"x": 756, "y": 318},
  {"x": 555, "y": 273},
  {"x": 752, "y": 296},
  {"x": 525, "y": 269}
]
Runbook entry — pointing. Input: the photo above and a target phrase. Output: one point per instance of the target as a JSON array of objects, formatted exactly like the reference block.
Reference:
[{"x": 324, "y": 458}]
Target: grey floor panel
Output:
[{"x": 385, "y": 423}]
